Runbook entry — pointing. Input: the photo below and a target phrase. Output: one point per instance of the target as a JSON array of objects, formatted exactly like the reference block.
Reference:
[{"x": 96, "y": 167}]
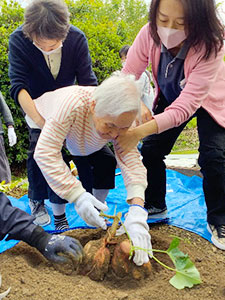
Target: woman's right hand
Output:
[
  {"x": 132, "y": 136},
  {"x": 146, "y": 115},
  {"x": 128, "y": 140}
]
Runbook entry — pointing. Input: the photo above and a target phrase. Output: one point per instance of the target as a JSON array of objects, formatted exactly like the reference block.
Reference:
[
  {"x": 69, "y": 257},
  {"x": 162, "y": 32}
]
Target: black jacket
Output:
[
  {"x": 15, "y": 222},
  {"x": 28, "y": 69}
]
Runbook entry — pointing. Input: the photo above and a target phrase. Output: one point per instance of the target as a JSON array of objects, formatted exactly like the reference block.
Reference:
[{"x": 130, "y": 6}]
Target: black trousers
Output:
[
  {"x": 5, "y": 172},
  {"x": 211, "y": 160},
  {"x": 96, "y": 170}
]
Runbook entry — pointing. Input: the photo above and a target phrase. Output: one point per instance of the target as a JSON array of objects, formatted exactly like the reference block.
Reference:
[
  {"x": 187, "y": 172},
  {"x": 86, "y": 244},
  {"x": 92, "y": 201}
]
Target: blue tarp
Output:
[{"x": 185, "y": 202}]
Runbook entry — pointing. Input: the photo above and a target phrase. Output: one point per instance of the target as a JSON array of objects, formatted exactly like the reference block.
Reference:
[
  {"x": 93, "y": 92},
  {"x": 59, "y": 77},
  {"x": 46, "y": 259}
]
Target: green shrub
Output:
[
  {"x": 108, "y": 25},
  {"x": 11, "y": 16}
]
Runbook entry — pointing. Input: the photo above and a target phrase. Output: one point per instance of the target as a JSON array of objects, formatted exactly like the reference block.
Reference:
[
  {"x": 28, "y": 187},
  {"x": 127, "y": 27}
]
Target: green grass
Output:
[
  {"x": 192, "y": 124},
  {"x": 185, "y": 152},
  {"x": 187, "y": 142},
  {"x": 15, "y": 184}
]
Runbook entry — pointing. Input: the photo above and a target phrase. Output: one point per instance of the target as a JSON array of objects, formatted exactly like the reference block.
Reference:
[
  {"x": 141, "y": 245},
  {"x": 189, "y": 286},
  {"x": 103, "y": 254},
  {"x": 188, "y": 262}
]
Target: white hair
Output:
[{"x": 118, "y": 94}]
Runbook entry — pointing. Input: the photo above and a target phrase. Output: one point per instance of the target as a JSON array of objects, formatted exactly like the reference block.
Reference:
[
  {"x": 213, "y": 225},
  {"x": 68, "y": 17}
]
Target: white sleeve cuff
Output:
[
  {"x": 31, "y": 123},
  {"x": 75, "y": 193},
  {"x": 135, "y": 191}
]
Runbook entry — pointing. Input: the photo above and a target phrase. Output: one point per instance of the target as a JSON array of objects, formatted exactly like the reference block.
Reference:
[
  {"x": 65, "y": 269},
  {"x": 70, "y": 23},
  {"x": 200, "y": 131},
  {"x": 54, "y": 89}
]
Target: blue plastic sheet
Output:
[{"x": 185, "y": 202}]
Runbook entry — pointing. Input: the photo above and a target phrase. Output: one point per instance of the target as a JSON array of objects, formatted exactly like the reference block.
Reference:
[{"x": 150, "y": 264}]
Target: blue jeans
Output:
[{"x": 211, "y": 160}]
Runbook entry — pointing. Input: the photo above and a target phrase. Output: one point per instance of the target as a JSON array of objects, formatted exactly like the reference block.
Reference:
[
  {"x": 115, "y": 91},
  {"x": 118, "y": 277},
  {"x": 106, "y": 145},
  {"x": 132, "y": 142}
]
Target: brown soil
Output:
[{"x": 32, "y": 277}]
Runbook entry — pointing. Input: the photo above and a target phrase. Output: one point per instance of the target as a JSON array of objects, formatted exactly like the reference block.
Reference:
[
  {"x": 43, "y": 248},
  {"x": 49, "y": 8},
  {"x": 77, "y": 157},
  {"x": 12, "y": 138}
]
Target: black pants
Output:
[
  {"x": 5, "y": 172},
  {"x": 211, "y": 160},
  {"x": 96, "y": 170}
]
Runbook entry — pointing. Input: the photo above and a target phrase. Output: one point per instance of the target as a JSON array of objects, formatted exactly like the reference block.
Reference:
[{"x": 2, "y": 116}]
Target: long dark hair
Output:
[{"x": 201, "y": 24}]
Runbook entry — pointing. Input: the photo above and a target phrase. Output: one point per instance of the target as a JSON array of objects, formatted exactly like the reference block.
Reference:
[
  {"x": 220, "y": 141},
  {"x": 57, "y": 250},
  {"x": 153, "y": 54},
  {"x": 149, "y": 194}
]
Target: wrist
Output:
[
  {"x": 148, "y": 128},
  {"x": 39, "y": 121},
  {"x": 137, "y": 201},
  {"x": 39, "y": 238},
  {"x": 137, "y": 205}
]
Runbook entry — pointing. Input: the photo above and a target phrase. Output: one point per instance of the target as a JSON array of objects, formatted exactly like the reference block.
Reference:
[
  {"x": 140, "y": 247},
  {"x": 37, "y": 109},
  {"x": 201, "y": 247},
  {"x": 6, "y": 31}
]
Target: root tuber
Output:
[
  {"x": 123, "y": 267},
  {"x": 96, "y": 260},
  {"x": 97, "y": 255}
]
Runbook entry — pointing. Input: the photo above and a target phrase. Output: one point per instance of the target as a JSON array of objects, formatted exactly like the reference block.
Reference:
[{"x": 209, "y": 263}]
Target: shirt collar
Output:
[{"x": 181, "y": 54}]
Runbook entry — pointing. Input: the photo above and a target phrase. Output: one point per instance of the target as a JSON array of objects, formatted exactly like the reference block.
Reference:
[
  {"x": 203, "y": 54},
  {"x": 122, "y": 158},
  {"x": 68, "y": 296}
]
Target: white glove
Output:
[
  {"x": 138, "y": 230},
  {"x": 85, "y": 207},
  {"x": 12, "y": 136}
]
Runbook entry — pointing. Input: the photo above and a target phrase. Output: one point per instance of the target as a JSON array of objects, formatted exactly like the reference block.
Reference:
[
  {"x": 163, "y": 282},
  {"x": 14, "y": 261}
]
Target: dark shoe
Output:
[
  {"x": 218, "y": 235},
  {"x": 39, "y": 212},
  {"x": 157, "y": 213}
]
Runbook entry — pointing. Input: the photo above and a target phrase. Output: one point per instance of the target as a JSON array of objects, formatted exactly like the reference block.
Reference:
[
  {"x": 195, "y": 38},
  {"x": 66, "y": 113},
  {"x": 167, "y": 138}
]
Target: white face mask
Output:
[
  {"x": 170, "y": 37},
  {"x": 48, "y": 52}
]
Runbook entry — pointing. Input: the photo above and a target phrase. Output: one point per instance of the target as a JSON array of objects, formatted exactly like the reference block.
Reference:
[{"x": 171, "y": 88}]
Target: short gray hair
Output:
[
  {"x": 116, "y": 95},
  {"x": 46, "y": 19}
]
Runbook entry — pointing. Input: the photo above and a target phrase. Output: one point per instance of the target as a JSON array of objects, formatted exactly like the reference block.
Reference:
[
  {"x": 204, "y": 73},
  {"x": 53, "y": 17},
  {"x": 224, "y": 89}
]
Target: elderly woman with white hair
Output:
[{"x": 87, "y": 118}]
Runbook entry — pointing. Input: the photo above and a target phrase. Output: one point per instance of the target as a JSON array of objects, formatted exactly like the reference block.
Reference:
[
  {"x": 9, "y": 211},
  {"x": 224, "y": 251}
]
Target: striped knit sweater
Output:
[{"x": 67, "y": 114}]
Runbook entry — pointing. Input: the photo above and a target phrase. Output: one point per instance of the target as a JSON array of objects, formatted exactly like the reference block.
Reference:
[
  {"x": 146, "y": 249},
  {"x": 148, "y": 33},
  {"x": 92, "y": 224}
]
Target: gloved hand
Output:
[
  {"x": 51, "y": 245},
  {"x": 138, "y": 230},
  {"x": 62, "y": 244},
  {"x": 12, "y": 136},
  {"x": 86, "y": 206}
]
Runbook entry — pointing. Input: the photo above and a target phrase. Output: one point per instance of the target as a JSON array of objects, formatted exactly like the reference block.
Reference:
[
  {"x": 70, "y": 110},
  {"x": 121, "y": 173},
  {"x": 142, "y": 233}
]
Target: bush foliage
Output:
[{"x": 108, "y": 26}]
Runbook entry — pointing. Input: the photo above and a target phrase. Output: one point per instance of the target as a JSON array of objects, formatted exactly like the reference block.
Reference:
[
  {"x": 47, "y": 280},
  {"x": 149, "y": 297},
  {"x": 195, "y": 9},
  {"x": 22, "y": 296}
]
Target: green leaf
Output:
[
  {"x": 186, "y": 278},
  {"x": 174, "y": 244},
  {"x": 187, "y": 274}
]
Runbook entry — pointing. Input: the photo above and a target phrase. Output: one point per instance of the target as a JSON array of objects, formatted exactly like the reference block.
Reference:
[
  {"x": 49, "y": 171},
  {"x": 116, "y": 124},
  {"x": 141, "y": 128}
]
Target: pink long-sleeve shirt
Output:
[
  {"x": 204, "y": 81},
  {"x": 67, "y": 116}
]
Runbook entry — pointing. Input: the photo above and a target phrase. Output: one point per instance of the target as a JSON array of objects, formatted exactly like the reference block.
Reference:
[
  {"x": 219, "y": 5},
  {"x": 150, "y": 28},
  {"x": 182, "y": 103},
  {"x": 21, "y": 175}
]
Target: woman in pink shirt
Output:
[{"x": 183, "y": 41}]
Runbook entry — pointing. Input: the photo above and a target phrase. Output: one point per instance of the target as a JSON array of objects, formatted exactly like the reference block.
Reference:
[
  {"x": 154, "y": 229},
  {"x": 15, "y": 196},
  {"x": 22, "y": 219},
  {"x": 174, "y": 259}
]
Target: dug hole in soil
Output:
[{"x": 32, "y": 277}]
